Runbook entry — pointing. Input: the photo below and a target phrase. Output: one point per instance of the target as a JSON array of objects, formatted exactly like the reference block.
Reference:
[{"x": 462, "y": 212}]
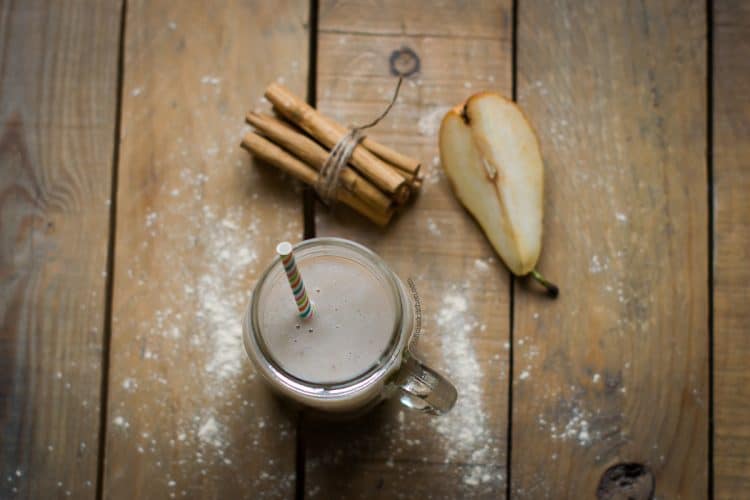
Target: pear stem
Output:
[{"x": 552, "y": 289}]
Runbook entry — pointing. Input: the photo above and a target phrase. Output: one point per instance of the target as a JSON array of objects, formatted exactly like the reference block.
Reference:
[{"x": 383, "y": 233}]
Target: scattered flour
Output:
[
  {"x": 466, "y": 429},
  {"x": 598, "y": 265},
  {"x": 433, "y": 227},
  {"x": 481, "y": 265},
  {"x": 435, "y": 172},
  {"x": 230, "y": 253},
  {"x": 136, "y": 91},
  {"x": 151, "y": 218},
  {"x": 210, "y": 433},
  {"x": 575, "y": 426},
  {"x": 210, "y": 80},
  {"x": 119, "y": 421},
  {"x": 429, "y": 123},
  {"x": 130, "y": 385},
  {"x": 621, "y": 217}
]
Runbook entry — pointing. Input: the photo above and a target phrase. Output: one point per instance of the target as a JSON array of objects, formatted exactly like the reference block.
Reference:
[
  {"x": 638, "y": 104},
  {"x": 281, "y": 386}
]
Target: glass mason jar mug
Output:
[{"x": 355, "y": 350}]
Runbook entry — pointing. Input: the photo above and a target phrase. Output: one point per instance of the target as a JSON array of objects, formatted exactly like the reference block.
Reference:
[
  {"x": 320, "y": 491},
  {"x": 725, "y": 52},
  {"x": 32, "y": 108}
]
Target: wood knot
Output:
[
  {"x": 404, "y": 62},
  {"x": 626, "y": 481}
]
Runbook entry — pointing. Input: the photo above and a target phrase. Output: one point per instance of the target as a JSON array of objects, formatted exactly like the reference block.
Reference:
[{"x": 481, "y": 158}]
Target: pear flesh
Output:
[{"x": 492, "y": 159}]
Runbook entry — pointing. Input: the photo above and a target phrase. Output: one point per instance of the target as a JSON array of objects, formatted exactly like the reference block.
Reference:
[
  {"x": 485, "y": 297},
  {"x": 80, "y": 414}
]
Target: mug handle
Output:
[{"x": 424, "y": 389}]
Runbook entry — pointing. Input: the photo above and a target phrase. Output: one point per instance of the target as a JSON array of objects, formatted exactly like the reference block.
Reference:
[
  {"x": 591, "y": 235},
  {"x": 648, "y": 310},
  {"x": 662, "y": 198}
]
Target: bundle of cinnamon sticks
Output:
[{"x": 377, "y": 179}]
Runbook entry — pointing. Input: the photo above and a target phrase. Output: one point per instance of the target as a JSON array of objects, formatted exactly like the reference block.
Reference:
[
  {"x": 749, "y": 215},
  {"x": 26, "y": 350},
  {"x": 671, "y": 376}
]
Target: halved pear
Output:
[{"x": 491, "y": 156}]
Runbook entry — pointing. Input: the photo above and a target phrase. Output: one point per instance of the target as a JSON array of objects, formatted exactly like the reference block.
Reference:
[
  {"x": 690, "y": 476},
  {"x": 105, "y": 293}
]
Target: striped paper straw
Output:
[{"x": 304, "y": 305}]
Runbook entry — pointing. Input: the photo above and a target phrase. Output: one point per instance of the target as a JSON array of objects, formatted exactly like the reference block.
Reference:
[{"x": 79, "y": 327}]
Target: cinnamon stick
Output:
[
  {"x": 314, "y": 155},
  {"x": 398, "y": 160},
  {"x": 302, "y": 114},
  {"x": 413, "y": 181},
  {"x": 271, "y": 153}
]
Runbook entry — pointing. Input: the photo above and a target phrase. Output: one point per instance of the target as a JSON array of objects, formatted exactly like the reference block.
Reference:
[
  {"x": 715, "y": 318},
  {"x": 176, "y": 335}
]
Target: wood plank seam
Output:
[
  {"x": 711, "y": 235},
  {"x": 309, "y": 202},
  {"x": 512, "y": 292},
  {"x": 104, "y": 391}
]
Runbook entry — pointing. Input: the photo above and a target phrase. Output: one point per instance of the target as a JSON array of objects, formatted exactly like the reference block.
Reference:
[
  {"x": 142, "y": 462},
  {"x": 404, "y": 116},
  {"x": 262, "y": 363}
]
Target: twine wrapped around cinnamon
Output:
[{"x": 369, "y": 177}]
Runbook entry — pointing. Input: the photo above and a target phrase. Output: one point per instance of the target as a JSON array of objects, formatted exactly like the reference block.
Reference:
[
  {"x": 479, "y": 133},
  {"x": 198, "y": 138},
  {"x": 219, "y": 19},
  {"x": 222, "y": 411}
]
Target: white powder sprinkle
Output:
[
  {"x": 481, "y": 265},
  {"x": 596, "y": 378},
  {"x": 151, "y": 218},
  {"x": 621, "y": 217},
  {"x": 435, "y": 172},
  {"x": 465, "y": 429},
  {"x": 209, "y": 433},
  {"x": 172, "y": 25},
  {"x": 433, "y": 227},
  {"x": 129, "y": 384},
  {"x": 576, "y": 427},
  {"x": 429, "y": 123},
  {"x": 137, "y": 91},
  {"x": 210, "y": 80},
  {"x": 121, "y": 422},
  {"x": 597, "y": 264},
  {"x": 524, "y": 375}
]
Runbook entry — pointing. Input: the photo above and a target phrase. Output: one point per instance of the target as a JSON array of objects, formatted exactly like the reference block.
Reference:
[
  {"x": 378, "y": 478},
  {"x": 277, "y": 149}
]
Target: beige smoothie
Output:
[{"x": 352, "y": 328}]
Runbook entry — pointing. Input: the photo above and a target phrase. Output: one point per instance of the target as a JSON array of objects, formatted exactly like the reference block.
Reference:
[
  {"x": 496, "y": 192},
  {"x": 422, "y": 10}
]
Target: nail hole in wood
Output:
[{"x": 626, "y": 481}]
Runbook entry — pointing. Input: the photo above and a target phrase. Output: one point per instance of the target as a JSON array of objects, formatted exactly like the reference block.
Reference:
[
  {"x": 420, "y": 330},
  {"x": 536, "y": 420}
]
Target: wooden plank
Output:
[
  {"x": 615, "y": 370},
  {"x": 439, "y": 19},
  {"x": 196, "y": 224},
  {"x": 58, "y": 80},
  {"x": 394, "y": 452},
  {"x": 732, "y": 248}
]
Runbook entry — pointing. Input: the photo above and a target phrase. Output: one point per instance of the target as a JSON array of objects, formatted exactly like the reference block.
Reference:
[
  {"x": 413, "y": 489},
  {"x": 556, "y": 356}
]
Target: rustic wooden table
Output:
[{"x": 133, "y": 227}]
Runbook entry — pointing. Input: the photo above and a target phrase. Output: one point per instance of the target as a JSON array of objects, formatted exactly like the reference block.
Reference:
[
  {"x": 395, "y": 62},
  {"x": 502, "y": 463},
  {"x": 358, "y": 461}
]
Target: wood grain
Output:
[
  {"x": 58, "y": 79},
  {"x": 732, "y": 248},
  {"x": 197, "y": 222},
  {"x": 394, "y": 452},
  {"x": 615, "y": 370}
]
